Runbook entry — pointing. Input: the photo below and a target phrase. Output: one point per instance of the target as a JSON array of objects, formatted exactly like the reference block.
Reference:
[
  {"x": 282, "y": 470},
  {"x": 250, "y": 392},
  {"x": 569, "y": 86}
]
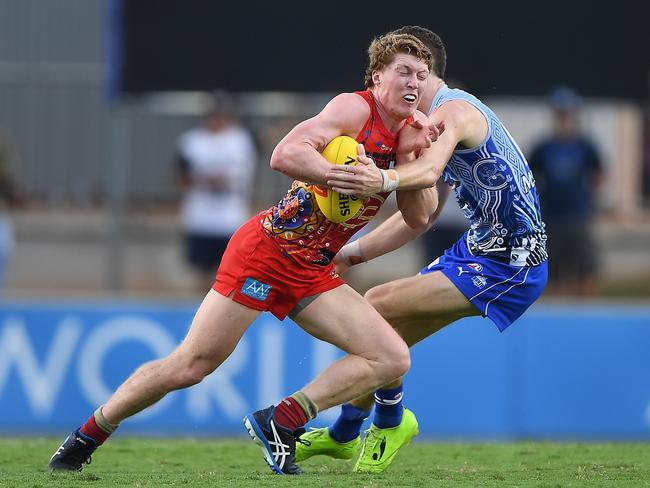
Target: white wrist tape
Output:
[
  {"x": 351, "y": 253},
  {"x": 390, "y": 179}
]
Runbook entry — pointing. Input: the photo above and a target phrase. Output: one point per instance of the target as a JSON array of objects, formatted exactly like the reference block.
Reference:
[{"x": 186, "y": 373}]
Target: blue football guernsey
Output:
[{"x": 496, "y": 190}]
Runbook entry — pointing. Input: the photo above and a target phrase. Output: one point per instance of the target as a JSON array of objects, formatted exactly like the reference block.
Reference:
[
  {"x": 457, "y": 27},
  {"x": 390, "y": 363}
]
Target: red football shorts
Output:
[{"x": 259, "y": 275}]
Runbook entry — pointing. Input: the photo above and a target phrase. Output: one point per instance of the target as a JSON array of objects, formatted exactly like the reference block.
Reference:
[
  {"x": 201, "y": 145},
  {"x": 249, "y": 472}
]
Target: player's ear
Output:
[{"x": 376, "y": 78}]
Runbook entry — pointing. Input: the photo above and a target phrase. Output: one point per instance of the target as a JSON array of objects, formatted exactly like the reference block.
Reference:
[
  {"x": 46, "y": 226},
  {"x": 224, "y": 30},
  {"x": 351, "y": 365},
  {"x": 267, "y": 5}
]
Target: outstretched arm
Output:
[
  {"x": 416, "y": 206},
  {"x": 391, "y": 234},
  {"x": 463, "y": 125}
]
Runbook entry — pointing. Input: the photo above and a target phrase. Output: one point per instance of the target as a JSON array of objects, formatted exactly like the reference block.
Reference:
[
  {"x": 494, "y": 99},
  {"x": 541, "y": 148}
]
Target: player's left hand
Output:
[
  {"x": 363, "y": 179},
  {"x": 417, "y": 136}
]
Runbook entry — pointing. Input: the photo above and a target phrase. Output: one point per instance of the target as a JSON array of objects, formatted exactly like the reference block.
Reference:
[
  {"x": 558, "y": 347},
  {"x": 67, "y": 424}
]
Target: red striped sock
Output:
[
  {"x": 289, "y": 414},
  {"x": 94, "y": 431}
]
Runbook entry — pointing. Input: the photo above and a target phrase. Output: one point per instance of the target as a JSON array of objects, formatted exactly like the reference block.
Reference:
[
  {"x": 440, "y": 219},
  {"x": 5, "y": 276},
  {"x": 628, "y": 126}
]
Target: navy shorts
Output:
[{"x": 499, "y": 290}]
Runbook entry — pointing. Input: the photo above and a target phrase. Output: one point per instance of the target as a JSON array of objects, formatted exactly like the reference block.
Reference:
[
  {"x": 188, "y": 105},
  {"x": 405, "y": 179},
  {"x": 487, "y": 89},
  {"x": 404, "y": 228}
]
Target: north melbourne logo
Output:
[
  {"x": 256, "y": 289},
  {"x": 479, "y": 281}
]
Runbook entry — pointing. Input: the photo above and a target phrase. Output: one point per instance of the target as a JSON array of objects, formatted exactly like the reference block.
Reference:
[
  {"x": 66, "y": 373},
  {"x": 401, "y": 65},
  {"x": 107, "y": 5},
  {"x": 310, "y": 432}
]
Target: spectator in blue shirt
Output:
[{"x": 568, "y": 170}]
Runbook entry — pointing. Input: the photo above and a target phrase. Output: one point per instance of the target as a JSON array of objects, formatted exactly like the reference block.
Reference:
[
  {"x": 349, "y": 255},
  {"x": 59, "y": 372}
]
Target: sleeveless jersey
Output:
[
  {"x": 496, "y": 190},
  {"x": 297, "y": 224}
]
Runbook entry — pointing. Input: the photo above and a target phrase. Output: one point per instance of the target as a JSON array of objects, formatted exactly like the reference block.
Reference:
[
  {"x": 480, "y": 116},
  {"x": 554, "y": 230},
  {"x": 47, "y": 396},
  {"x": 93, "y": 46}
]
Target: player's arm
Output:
[
  {"x": 443, "y": 191},
  {"x": 417, "y": 206},
  {"x": 298, "y": 154},
  {"x": 391, "y": 234},
  {"x": 463, "y": 124}
]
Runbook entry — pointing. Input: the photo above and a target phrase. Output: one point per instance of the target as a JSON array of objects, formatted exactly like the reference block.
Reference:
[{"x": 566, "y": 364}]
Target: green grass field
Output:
[{"x": 188, "y": 462}]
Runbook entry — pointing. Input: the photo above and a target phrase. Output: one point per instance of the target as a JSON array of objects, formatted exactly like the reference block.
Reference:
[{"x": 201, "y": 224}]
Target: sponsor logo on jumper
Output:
[
  {"x": 383, "y": 147},
  {"x": 256, "y": 289},
  {"x": 476, "y": 267},
  {"x": 528, "y": 181},
  {"x": 461, "y": 270}
]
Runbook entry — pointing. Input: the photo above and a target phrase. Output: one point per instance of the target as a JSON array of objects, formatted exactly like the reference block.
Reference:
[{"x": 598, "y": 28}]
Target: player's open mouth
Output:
[{"x": 410, "y": 98}]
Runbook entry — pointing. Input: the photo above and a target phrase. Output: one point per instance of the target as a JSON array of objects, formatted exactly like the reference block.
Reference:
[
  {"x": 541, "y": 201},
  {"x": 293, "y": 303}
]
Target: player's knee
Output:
[
  {"x": 190, "y": 377},
  {"x": 190, "y": 372},
  {"x": 402, "y": 361},
  {"x": 397, "y": 361}
]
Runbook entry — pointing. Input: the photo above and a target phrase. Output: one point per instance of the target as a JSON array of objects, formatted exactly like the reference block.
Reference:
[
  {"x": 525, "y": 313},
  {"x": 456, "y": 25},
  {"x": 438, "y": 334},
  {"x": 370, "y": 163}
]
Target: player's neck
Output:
[
  {"x": 433, "y": 87},
  {"x": 391, "y": 122}
]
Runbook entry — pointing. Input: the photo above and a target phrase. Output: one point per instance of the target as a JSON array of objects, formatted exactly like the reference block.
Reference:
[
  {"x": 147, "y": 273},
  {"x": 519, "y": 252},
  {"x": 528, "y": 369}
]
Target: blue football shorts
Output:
[{"x": 497, "y": 289}]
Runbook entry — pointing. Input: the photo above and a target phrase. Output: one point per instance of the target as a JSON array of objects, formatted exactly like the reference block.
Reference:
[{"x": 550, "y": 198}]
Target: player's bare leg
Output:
[
  {"x": 215, "y": 331},
  {"x": 416, "y": 307},
  {"x": 376, "y": 355}
]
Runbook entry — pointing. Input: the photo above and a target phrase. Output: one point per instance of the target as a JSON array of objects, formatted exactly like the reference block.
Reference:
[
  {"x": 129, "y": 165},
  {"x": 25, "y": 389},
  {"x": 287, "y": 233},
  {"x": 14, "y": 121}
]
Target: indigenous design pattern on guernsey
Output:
[{"x": 300, "y": 228}]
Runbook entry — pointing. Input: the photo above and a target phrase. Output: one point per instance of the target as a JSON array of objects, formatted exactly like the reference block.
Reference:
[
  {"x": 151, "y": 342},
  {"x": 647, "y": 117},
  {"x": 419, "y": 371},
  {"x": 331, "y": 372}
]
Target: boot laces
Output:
[
  {"x": 79, "y": 453},
  {"x": 297, "y": 434}
]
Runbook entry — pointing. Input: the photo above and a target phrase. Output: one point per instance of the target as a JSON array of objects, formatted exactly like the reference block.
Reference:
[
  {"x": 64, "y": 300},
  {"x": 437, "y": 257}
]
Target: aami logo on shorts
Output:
[
  {"x": 476, "y": 267},
  {"x": 256, "y": 289}
]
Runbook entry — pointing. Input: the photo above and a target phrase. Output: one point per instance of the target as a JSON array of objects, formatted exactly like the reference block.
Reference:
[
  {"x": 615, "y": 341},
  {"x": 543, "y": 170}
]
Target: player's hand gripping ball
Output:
[{"x": 334, "y": 205}]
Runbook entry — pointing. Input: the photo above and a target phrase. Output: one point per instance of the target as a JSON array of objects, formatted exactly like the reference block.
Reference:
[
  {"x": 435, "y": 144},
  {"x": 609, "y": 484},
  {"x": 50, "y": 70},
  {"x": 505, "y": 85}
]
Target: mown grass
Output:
[{"x": 138, "y": 462}]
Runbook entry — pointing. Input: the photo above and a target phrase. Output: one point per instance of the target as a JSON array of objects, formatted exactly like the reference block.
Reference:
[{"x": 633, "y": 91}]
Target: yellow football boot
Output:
[
  {"x": 381, "y": 445},
  {"x": 319, "y": 442}
]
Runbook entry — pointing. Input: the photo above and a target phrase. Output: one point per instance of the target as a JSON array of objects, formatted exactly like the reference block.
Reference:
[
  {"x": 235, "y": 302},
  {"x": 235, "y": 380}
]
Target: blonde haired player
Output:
[
  {"x": 281, "y": 261},
  {"x": 497, "y": 269}
]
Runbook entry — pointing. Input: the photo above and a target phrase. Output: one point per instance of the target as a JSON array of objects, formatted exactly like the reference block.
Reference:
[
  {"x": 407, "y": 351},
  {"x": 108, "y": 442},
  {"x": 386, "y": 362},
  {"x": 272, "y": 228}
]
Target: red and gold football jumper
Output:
[
  {"x": 300, "y": 228},
  {"x": 285, "y": 253}
]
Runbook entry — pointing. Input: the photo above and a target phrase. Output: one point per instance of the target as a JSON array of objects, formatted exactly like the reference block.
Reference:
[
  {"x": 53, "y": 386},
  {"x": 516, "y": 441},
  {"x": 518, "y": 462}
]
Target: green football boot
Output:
[
  {"x": 319, "y": 442},
  {"x": 381, "y": 445}
]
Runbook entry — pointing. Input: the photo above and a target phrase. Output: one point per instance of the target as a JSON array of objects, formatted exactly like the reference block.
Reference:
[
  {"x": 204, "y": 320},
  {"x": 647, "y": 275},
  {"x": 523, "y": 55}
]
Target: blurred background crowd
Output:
[{"x": 110, "y": 185}]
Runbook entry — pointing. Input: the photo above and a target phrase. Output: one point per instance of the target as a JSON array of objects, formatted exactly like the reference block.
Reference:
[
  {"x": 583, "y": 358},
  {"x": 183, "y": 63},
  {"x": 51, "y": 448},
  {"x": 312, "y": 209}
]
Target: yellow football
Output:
[{"x": 336, "y": 206}]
